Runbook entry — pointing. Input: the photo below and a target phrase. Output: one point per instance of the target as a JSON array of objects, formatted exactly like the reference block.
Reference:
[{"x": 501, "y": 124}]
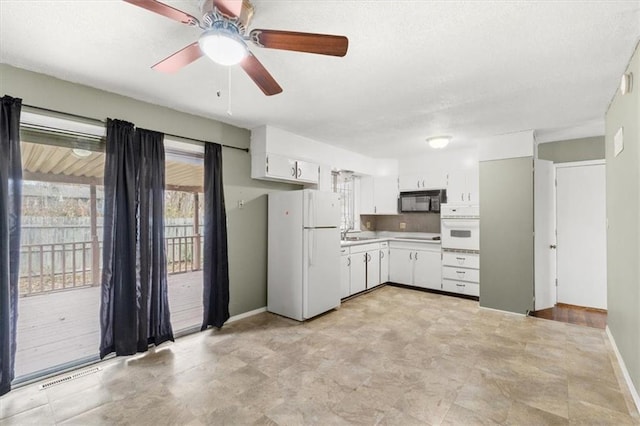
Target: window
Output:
[{"x": 343, "y": 183}]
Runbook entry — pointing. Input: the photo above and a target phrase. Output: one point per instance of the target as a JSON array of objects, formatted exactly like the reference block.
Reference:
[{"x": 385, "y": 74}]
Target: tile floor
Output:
[{"x": 392, "y": 356}]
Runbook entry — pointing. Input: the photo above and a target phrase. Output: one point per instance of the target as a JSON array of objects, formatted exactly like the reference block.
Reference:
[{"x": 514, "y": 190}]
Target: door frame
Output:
[
  {"x": 557, "y": 166},
  {"x": 544, "y": 291}
]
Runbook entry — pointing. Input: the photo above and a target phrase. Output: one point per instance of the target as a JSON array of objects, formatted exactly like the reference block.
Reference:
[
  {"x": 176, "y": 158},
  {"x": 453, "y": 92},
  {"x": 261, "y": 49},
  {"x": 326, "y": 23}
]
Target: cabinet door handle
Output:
[
  {"x": 460, "y": 273},
  {"x": 410, "y": 256},
  {"x": 423, "y": 185},
  {"x": 460, "y": 285},
  {"x": 299, "y": 172},
  {"x": 469, "y": 196},
  {"x": 293, "y": 171},
  {"x": 349, "y": 261},
  {"x": 381, "y": 254},
  {"x": 416, "y": 256},
  {"x": 462, "y": 197},
  {"x": 418, "y": 184},
  {"x": 461, "y": 260}
]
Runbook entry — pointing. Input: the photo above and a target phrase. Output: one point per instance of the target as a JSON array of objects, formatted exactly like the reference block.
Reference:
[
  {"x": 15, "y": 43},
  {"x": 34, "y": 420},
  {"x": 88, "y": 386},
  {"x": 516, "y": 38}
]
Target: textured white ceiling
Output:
[{"x": 414, "y": 68}]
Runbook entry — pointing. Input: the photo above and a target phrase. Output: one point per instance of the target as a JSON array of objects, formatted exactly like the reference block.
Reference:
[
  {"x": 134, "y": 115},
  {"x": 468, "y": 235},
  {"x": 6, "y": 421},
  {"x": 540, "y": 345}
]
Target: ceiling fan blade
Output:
[
  {"x": 322, "y": 44},
  {"x": 241, "y": 9},
  {"x": 180, "y": 59},
  {"x": 165, "y": 10},
  {"x": 232, "y": 8},
  {"x": 259, "y": 74}
]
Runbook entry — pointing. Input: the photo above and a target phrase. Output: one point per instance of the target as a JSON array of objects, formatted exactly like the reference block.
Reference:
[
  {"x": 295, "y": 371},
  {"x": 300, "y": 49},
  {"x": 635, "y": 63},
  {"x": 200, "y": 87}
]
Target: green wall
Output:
[
  {"x": 506, "y": 234},
  {"x": 247, "y": 227},
  {"x": 583, "y": 149},
  {"x": 623, "y": 215}
]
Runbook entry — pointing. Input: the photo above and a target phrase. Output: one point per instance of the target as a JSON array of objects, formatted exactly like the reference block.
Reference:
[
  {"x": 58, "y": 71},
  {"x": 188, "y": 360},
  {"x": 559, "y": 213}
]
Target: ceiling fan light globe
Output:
[{"x": 224, "y": 48}]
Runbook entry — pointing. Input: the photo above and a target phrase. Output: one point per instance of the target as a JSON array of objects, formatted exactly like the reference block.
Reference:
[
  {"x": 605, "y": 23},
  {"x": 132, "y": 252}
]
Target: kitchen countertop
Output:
[{"x": 426, "y": 238}]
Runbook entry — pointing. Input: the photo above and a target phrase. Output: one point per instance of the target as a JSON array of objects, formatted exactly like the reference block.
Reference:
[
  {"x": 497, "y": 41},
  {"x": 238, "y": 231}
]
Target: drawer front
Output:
[
  {"x": 360, "y": 248},
  {"x": 461, "y": 287},
  {"x": 462, "y": 260},
  {"x": 461, "y": 274},
  {"x": 417, "y": 245},
  {"x": 384, "y": 244}
]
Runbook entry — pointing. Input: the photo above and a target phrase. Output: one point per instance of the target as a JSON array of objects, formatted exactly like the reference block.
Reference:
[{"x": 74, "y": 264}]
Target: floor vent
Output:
[{"x": 69, "y": 377}]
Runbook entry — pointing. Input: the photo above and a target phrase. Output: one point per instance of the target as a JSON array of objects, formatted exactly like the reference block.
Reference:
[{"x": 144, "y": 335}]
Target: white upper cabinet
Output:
[
  {"x": 463, "y": 187},
  {"x": 422, "y": 181},
  {"x": 281, "y": 168},
  {"x": 277, "y": 166},
  {"x": 379, "y": 195},
  {"x": 307, "y": 172}
]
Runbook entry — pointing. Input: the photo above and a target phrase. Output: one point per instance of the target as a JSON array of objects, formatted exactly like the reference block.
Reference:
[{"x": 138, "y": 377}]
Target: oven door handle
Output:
[{"x": 464, "y": 224}]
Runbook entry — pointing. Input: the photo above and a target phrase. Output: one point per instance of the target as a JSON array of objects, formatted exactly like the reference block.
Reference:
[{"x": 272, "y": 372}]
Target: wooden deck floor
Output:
[
  {"x": 590, "y": 317},
  {"x": 61, "y": 327}
]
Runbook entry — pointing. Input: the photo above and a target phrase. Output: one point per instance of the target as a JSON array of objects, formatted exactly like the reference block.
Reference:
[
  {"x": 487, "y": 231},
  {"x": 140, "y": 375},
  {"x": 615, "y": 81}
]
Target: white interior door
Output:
[
  {"x": 581, "y": 227},
  {"x": 545, "y": 241}
]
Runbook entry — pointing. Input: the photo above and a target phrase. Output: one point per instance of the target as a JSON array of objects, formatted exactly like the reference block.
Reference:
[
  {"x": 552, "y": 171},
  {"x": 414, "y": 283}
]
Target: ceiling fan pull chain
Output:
[{"x": 229, "y": 94}]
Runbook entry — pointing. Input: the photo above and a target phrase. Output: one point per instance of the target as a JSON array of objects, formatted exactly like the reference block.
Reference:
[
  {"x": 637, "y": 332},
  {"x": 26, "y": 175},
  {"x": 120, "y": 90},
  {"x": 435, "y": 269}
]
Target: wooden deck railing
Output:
[{"x": 52, "y": 267}]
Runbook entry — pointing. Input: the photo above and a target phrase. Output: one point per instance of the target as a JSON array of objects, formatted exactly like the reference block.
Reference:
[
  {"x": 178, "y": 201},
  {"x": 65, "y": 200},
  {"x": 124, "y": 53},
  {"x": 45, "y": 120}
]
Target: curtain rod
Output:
[{"x": 96, "y": 120}]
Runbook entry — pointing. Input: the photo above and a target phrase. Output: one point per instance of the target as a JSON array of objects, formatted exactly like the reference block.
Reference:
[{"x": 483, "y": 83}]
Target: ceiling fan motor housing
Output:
[{"x": 222, "y": 40}]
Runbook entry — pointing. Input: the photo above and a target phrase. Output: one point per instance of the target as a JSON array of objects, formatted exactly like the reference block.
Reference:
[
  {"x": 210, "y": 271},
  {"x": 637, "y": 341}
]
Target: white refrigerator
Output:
[{"x": 303, "y": 275}]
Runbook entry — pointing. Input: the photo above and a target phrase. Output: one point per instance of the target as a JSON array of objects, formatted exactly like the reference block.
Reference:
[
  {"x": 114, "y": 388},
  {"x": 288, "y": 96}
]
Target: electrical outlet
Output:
[{"x": 403, "y": 225}]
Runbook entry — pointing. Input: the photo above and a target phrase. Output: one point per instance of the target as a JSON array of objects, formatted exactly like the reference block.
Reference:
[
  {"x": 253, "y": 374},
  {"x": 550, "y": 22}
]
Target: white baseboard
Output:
[
  {"x": 625, "y": 372},
  {"x": 246, "y": 314}
]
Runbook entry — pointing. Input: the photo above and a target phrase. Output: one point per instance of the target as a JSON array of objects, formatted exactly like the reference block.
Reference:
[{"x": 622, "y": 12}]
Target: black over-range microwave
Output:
[{"x": 422, "y": 201}]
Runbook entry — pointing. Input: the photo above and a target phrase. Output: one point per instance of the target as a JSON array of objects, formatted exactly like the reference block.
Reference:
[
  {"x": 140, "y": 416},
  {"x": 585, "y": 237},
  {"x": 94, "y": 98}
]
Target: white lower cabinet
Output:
[
  {"x": 345, "y": 273},
  {"x": 401, "y": 266},
  {"x": 461, "y": 273},
  {"x": 461, "y": 287},
  {"x": 358, "y": 272},
  {"x": 384, "y": 262},
  {"x": 363, "y": 266},
  {"x": 416, "y": 264},
  {"x": 427, "y": 272},
  {"x": 373, "y": 268}
]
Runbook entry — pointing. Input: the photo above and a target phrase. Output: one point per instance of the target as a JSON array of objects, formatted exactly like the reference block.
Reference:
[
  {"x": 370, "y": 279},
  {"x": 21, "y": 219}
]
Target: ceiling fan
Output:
[{"x": 224, "y": 38}]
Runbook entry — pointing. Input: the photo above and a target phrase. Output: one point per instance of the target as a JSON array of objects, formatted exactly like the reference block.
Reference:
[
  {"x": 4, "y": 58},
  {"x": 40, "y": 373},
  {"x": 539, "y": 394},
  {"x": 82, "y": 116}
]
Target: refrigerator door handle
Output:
[
  {"x": 310, "y": 211},
  {"x": 311, "y": 244}
]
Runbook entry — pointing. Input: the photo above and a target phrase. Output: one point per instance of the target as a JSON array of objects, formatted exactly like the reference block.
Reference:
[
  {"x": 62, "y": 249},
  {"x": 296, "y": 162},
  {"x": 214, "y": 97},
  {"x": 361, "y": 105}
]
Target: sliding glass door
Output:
[
  {"x": 60, "y": 254},
  {"x": 184, "y": 207}
]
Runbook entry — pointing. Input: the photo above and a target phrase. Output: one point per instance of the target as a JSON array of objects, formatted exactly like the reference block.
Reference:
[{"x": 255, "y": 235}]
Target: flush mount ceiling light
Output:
[
  {"x": 223, "y": 44},
  {"x": 80, "y": 153},
  {"x": 626, "y": 83},
  {"x": 439, "y": 142}
]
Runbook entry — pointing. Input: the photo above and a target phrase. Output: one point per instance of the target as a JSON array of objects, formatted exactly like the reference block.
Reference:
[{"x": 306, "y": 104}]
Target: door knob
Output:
[{"x": 553, "y": 246}]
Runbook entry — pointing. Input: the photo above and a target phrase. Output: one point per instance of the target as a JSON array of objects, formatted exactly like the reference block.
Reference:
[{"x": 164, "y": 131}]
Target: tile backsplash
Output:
[{"x": 410, "y": 222}]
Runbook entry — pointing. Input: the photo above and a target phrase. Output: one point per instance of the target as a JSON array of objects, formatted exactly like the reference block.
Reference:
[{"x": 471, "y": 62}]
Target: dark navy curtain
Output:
[
  {"x": 216, "y": 260},
  {"x": 10, "y": 210},
  {"x": 134, "y": 308},
  {"x": 154, "y": 299}
]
